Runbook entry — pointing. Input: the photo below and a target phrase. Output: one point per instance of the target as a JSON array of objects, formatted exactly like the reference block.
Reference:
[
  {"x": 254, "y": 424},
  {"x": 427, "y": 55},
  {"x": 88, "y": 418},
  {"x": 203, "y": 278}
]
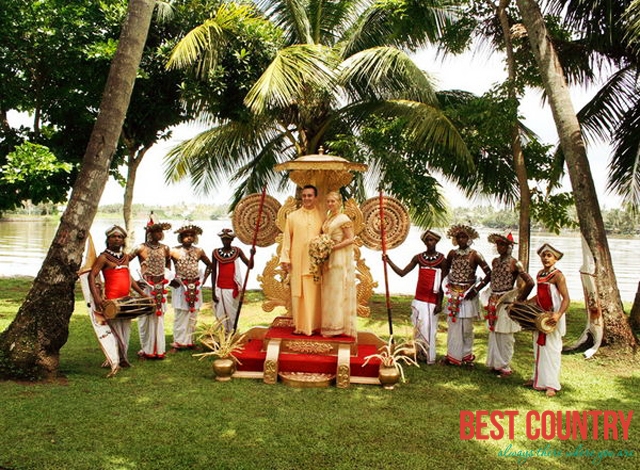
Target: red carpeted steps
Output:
[{"x": 276, "y": 352}]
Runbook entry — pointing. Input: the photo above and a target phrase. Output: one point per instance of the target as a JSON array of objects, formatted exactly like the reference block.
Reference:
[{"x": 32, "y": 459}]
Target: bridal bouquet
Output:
[{"x": 319, "y": 252}]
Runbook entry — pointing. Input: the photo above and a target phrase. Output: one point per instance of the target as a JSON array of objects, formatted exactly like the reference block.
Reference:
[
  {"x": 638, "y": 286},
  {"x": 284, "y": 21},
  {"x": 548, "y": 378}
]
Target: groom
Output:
[{"x": 301, "y": 226}]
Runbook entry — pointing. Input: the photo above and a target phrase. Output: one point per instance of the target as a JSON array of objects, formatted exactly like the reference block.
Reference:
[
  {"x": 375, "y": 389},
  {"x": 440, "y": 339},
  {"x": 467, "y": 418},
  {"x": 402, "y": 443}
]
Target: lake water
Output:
[{"x": 24, "y": 244}]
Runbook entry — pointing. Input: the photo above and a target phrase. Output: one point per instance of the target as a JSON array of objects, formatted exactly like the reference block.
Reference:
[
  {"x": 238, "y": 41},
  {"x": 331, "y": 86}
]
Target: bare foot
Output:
[{"x": 551, "y": 392}]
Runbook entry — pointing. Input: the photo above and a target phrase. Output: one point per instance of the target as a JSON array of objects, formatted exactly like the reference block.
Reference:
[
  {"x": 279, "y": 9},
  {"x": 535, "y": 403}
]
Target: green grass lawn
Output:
[{"x": 171, "y": 414}]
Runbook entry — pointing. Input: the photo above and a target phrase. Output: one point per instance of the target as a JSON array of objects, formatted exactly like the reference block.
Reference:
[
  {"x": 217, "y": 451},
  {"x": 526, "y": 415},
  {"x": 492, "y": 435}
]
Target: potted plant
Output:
[
  {"x": 222, "y": 346},
  {"x": 391, "y": 357}
]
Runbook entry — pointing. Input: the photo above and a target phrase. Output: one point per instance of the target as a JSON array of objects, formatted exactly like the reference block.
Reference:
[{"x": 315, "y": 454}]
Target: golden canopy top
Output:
[
  {"x": 320, "y": 162},
  {"x": 326, "y": 172}
]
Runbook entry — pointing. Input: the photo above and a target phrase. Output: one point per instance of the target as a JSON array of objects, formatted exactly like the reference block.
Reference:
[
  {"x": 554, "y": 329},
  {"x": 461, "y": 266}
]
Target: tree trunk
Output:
[
  {"x": 30, "y": 346},
  {"x": 616, "y": 324},
  {"x": 524, "y": 223},
  {"x": 133, "y": 163},
  {"x": 634, "y": 315}
]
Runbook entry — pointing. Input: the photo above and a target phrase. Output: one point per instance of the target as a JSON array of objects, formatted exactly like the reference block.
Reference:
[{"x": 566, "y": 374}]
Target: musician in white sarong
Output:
[
  {"x": 427, "y": 303},
  {"x": 155, "y": 261},
  {"x": 505, "y": 270},
  {"x": 461, "y": 292},
  {"x": 187, "y": 293},
  {"x": 226, "y": 278},
  {"x": 552, "y": 296},
  {"x": 113, "y": 264}
]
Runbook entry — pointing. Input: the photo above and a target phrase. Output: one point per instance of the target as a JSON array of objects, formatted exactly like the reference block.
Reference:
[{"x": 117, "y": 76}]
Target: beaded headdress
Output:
[
  {"x": 455, "y": 230},
  {"x": 507, "y": 237}
]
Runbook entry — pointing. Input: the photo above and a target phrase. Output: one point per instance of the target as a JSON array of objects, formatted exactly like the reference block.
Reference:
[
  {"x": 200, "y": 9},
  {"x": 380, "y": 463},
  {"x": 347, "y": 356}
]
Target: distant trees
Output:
[{"x": 625, "y": 221}]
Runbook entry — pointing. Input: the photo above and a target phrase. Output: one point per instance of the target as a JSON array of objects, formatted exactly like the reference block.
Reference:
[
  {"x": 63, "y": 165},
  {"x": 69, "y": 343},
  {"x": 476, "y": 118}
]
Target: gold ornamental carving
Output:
[
  {"x": 289, "y": 206},
  {"x": 310, "y": 347},
  {"x": 282, "y": 322},
  {"x": 326, "y": 172},
  {"x": 365, "y": 283},
  {"x": 270, "y": 372},
  {"x": 343, "y": 376},
  {"x": 306, "y": 379},
  {"x": 275, "y": 285},
  {"x": 355, "y": 214}
]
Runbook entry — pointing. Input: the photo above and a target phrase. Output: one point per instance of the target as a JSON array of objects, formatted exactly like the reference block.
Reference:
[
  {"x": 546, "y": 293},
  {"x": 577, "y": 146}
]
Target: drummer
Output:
[
  {"x": 505, "y": 270},
  {"x": 113, "y": 263},
  {"x": 552, "y": 296}
]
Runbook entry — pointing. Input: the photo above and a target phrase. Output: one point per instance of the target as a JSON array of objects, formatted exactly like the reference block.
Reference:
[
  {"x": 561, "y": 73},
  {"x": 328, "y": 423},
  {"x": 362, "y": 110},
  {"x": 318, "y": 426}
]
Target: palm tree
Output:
[
  {"x": 503, "y": 171},
  {"x": 605, "y": 38},
  {"x": 338, "y": 64},
  {"x": 617, "y": 329}
]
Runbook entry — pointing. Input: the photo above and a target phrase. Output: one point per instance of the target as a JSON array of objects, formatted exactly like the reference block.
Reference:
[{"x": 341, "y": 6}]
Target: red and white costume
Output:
[
  {"x": 547, "y": 348},
  {"x": 462, "y": 312},
  {"x": 424, "y": 304},
  {"x": 151, "y": 327},
  {"x": 117, "y": 284},
  {"x": 186, "y": 299},
  {"x": 228, "y": 285}
]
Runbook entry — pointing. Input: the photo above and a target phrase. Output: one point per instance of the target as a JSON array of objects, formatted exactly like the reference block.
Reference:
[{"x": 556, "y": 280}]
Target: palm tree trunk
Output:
[
  {"x": 134, "y": 160},
  {"x": 30, "y": 346},
  {"x": 524, "y": 223},
  {"x": 617, "y": 329}
]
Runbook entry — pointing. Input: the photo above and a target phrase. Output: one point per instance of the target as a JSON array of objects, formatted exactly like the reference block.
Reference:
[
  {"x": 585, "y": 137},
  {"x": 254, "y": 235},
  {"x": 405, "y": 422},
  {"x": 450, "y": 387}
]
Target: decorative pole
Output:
[
  {"x": 384, "y": 263},
  {"x": 252, "y": 254}
]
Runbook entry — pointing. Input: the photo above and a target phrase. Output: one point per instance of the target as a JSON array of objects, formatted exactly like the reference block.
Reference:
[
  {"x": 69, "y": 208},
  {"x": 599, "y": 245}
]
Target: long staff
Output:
[
  {"x": 383, "y": 236},
  {"x": 253, "y": 250}
]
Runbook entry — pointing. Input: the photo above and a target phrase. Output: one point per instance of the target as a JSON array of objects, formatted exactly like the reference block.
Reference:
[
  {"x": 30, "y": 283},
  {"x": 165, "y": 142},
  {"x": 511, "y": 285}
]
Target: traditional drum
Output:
[
  {"x": 128, "y": 307},
  {"x": 531, "y": 317}
]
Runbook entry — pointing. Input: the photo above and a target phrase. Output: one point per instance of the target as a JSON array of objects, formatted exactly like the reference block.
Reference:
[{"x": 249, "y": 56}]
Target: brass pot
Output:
[
  {"x": 389, "y": 376},
  {"x": 224, "y": 368}
]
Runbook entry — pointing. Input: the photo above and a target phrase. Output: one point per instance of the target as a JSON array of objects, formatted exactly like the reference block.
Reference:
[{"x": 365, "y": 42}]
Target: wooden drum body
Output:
[
  {"x": 531, "y": 317},
  {"x": 128, "y": 307}
]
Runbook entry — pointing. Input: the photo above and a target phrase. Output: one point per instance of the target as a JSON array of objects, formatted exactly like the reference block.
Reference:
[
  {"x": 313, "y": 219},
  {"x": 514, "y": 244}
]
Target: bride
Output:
[{"x": 338, "y": 277}]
